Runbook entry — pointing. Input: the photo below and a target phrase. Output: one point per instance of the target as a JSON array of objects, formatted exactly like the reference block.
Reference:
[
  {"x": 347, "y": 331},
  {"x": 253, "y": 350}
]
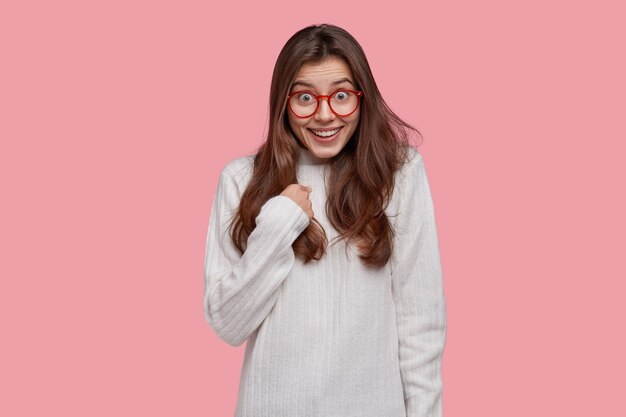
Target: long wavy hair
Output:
[{"x": 361, "y": 175}]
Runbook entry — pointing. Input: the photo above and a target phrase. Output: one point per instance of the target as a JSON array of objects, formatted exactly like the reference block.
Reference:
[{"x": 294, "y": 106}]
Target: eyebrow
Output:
[{"x": 339, "y": 81}]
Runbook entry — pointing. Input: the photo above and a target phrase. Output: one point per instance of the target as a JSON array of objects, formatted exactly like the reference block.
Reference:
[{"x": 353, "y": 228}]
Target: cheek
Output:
[
  {"x": 295, "y": 123},
  {"x": 354, "y": 122},
  {"x": 354, "y": 118}
]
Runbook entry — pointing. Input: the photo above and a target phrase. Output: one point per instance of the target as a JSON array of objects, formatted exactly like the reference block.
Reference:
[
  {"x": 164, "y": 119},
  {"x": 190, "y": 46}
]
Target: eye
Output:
[
  {"x": 341, "y": 95},
  {"x": 305, "y": 98}
]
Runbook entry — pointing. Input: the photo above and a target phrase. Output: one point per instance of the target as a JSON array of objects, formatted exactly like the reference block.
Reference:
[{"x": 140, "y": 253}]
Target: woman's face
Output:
[{"x": 324, "y": 78}]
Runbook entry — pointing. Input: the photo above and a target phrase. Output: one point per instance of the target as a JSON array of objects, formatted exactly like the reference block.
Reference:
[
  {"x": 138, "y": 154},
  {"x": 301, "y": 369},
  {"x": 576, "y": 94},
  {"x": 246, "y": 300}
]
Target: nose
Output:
[{"x": 323, "y": 111}]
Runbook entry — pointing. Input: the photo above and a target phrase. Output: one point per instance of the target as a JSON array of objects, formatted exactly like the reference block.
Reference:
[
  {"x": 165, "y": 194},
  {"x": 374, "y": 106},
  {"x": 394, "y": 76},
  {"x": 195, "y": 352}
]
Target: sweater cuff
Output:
[
  {"x": 428, "y": 406},
  {"x": 280, "y": 212}
]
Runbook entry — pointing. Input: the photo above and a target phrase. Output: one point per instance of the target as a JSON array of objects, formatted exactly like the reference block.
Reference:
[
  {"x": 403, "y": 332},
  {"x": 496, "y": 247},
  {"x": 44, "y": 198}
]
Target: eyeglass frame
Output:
[{"x": 327, "y": 97}]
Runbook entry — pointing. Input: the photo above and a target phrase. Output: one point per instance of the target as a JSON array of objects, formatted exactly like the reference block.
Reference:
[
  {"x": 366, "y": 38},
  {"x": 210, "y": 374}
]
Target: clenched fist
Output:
[{"x": 300, "y": 194}]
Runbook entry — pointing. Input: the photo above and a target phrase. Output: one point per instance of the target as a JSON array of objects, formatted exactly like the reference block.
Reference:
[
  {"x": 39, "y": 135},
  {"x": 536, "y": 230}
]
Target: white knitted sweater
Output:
[{"x": 332, "y": 338}]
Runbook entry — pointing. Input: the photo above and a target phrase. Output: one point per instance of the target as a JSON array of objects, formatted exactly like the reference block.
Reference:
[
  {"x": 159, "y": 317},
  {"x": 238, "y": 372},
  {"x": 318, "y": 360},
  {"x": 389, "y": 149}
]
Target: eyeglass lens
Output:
[{"x": 341, "y": 102}]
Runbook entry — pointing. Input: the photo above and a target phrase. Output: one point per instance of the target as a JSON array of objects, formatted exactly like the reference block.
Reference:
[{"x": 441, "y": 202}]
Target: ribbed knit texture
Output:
[{"x": 332, "y": 338}]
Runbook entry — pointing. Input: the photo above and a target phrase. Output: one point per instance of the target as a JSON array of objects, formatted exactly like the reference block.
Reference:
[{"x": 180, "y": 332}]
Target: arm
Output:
[
  {"x": 418, "y": 295},
  {"x": 240, "y": 291}
]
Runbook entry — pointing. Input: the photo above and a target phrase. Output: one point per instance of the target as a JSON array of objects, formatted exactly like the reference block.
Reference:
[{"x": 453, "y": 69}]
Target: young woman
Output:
[{"x": 322, "y": 249}]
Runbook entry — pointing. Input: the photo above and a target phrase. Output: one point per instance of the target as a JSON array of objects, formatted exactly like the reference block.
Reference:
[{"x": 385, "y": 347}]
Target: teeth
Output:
[{"x": 325, "y": 134}]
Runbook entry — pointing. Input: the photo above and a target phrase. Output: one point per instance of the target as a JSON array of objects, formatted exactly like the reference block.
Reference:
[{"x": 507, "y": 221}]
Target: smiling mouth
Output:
[{"x": 325, "y": 133}]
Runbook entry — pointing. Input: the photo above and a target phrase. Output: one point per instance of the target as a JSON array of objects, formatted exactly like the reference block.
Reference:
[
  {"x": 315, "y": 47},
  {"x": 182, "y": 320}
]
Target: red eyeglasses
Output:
[{"x": 341, "y": 102}]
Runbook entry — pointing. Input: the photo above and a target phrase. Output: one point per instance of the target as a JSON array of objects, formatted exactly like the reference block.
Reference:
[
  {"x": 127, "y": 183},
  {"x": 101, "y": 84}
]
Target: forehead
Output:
[{"x": 323, "y": 73}]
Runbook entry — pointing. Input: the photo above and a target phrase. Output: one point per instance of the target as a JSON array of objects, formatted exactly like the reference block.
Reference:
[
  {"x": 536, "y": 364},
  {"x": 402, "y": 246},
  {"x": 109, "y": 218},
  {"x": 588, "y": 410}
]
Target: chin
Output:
[{"x": 324, "y": 154}]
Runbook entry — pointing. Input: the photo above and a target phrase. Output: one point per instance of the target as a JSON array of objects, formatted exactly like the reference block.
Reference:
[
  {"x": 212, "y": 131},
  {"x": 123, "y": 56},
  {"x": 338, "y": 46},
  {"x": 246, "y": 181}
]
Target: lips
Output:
[
  {"x": 325, "y": 137},
  {"x": 325, "y": 133},
  {"x": 326, "y": 129}
]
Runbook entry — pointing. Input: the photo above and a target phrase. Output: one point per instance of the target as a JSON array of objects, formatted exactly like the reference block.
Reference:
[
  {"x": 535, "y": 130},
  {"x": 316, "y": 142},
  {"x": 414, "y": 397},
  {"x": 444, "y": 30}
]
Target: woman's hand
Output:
[{"x": 300, "y": 194}]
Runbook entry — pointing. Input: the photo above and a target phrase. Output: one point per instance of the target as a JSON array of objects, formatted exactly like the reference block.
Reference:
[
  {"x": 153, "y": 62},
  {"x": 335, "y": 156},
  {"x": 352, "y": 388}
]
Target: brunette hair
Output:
[{"x": 361, "y": 175}]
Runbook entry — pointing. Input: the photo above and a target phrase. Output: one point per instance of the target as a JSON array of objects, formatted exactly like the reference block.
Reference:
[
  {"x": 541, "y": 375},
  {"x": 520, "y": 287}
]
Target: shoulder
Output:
[
  {"x": 414, "y": 157},
  {"x": 412, "y": 164},
  {"x": 409, "y": 177},
  {"x": 238, "y": 170},
  {"x": 238, "y": 166},
  {"x": 235, "y": 175}
]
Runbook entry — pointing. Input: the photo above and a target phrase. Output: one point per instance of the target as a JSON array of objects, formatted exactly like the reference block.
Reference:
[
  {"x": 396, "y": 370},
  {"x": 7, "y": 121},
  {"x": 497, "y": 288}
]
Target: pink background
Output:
[{"x": 116, "y": 118}]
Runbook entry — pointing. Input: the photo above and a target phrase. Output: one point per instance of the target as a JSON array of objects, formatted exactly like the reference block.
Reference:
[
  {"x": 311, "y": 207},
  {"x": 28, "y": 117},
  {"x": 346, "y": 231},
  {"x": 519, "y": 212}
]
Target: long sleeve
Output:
[
  {"x": 418, "y": 294},
  {"x": 240, "y": 291}
]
